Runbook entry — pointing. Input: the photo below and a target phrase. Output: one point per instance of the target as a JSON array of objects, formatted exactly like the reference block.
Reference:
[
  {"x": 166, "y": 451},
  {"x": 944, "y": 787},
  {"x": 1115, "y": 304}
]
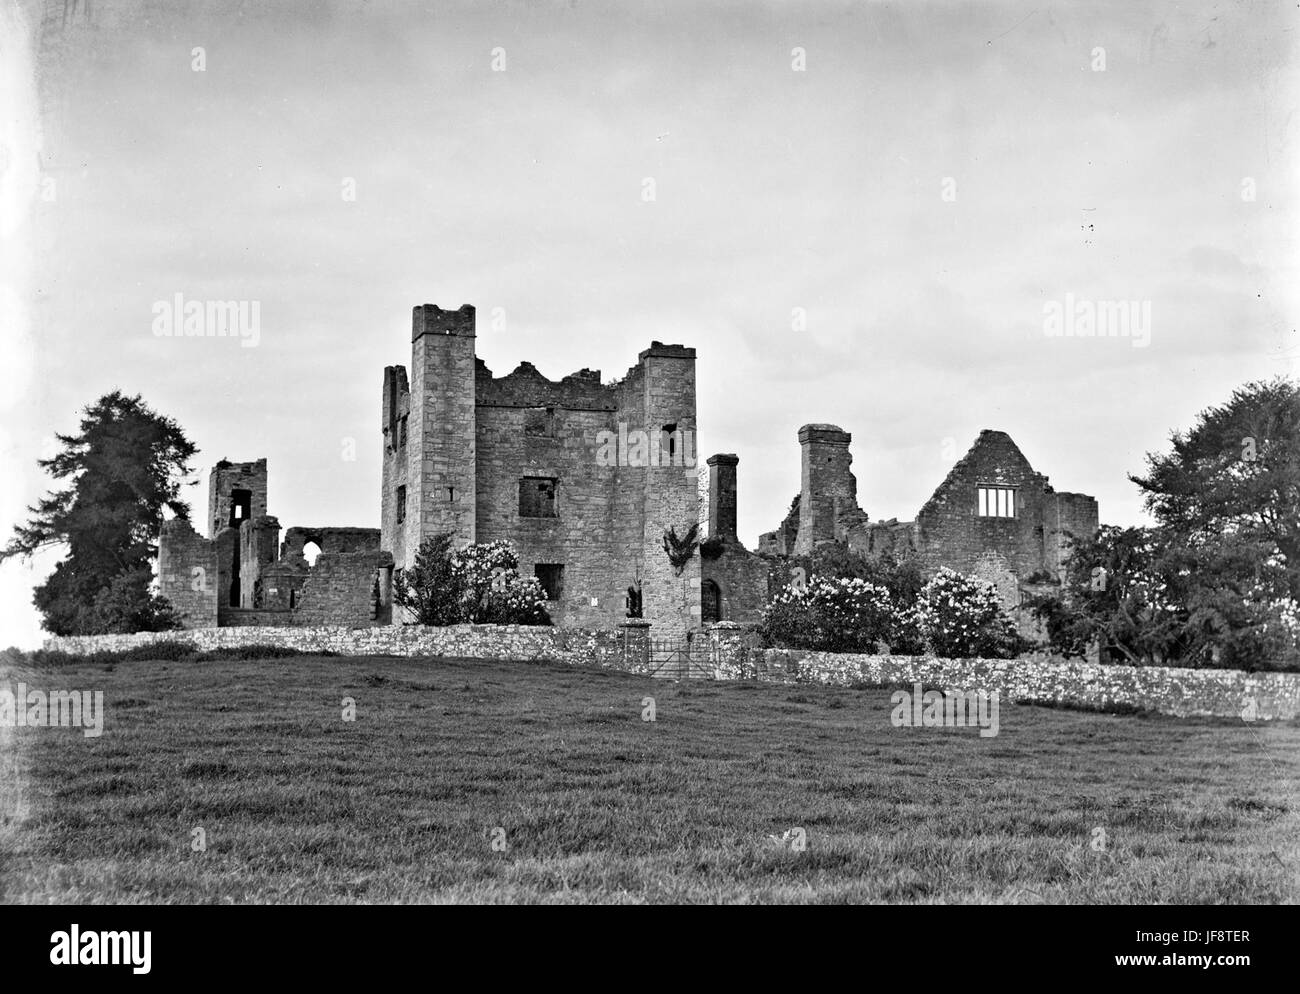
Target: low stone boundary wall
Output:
[
  {"x": 524, "y": 642},
  {"x": 1039, "y": 680},
  {"x": 725, "y": 653}
]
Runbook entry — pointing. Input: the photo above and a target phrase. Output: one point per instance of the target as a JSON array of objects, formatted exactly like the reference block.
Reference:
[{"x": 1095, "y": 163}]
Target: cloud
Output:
[{"x": 776, "y": 190}]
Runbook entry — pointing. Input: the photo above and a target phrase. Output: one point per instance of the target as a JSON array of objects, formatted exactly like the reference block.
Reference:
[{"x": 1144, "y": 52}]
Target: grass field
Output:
[{"x": 298, "y": 805}]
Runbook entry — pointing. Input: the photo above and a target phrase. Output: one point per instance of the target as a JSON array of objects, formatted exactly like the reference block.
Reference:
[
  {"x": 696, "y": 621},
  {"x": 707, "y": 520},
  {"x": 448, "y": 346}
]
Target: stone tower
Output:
[
  {"x": 671, "y": 485},
  {"x": 441, "y": 465},
  {"x": 236, "y": 493},
  {"x": 828, "y": 503},
  {"x": 587, "y": 481}
]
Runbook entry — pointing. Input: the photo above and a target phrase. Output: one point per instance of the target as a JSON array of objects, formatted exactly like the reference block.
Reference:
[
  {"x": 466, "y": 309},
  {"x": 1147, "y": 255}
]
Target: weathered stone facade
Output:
[
  {"x": 993, "y": 516},
  {"x": 597, "y": 487},
  {"x": 236, "y": 493},
  {"x": 187, "y": 573},
  {"x": 241, "y": 576},
  {"x": 583, "y": 478},
  {"x": 733, "y": 580},
  {"x": 952, "y": 529}
]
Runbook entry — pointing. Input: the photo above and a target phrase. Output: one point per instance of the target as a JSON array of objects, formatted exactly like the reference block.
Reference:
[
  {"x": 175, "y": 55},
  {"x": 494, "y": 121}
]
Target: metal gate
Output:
[{"x": 682, "y": 658}]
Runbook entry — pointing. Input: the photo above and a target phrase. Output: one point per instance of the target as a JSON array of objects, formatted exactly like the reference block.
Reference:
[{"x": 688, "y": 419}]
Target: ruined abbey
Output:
[{"x": 600, "y": 488}]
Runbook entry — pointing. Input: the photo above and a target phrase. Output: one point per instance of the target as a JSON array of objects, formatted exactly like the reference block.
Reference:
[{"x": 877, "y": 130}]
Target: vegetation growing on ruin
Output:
[{"x": 680, "y": 548}]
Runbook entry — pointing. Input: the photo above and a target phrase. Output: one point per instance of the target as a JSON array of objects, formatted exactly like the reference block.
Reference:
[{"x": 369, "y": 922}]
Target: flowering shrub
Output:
[
  {"x": 844, "y": 615},
  {"x": 483, "y": 572},
  {"x": 954, "y": 616},
  {"x": 959, "y": 617},
  {"x": 906, "y": 637},
  {"x": 479, "y": 584}
]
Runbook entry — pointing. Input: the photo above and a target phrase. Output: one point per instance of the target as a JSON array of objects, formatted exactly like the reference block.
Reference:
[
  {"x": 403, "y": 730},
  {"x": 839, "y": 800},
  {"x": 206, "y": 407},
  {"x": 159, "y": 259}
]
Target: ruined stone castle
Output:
[
  {"x": 594, "y": 484},
  {"x": 993, "y": 516}
]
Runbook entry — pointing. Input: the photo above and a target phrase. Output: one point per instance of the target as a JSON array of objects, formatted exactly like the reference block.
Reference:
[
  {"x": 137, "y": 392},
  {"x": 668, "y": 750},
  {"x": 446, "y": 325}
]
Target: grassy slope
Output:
[{"x": 599, "y": 805}]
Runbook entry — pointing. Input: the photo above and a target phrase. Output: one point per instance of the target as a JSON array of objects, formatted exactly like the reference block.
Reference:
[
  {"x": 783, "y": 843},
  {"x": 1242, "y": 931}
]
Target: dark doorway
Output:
[
  {"x": 551, "y": 576},
  {"x": 234, "y": 578},
  {"x": 710, "y": 602}
]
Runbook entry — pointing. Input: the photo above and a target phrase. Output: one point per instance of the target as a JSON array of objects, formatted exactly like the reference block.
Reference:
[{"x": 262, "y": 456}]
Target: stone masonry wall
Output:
[
  {"x": 670, "y": 599},
  {"x": 595, "y": 535},
  {"x": 258, "y": 547},
  {"x": 340, "y": 589},
  {"x": 1029, "y": 680},
  {"x": 516, "y": 642},
  {"x": 952, "y": 533},
  {"x": 225, "y": 478},
  {"x": 441, "y": 491},
  {"x": 1181, "y": 692},
  {"x": 472, "y": 439},
  {"x": 828, "y": 495},
  {"x": 396, "y": 474},
  {"x": 187, "y": 572},
  {"x": 742, "y": 581},
  {"x": 1067, "y": 516}
]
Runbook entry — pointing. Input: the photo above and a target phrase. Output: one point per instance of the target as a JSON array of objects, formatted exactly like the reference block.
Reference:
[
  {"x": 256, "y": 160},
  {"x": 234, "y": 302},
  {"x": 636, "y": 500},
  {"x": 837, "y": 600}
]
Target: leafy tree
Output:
[
  {"x": 128, "y": 604},
  {"x": 124, "y": 466},
  {"x": 1117, "y": 593},
  {"x": 1217, "y": 580},
  {"x": 1146, "y": 600},
  {"x": 429, "y": 589},
  {"x": 1236, "y": 476}
]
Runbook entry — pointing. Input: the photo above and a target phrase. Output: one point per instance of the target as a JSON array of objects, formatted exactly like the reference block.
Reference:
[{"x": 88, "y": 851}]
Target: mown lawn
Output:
[{"x": 298, "y": 805}]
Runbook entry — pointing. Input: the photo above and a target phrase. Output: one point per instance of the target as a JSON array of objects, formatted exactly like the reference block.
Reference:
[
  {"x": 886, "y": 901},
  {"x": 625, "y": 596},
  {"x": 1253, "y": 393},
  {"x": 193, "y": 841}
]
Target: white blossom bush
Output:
[
  {"x": 478, "y": 584},
  {"x": 833, "y": 615},
  {"x": 961, "y": 617},
  {"x": 492, "y": 591},
  {"x": 1288, "y": 618}
]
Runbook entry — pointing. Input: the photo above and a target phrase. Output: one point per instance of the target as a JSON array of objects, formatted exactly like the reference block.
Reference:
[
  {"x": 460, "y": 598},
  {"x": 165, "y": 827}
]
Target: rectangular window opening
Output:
[
  {"x": 241, "y": 506},
  {"x": 537, "y": 497},
  {"x": 997, "y": 502}
]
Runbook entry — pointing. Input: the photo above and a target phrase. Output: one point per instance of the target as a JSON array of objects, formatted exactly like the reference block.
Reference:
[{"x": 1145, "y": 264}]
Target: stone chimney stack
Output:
[
  {"x": 827, "y": 486},
  {"x": 722, "y": 495}
]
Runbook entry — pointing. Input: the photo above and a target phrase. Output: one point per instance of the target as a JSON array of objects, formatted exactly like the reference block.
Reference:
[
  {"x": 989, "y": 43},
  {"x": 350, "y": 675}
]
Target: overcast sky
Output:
[{"x": 934, "y": 176}]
